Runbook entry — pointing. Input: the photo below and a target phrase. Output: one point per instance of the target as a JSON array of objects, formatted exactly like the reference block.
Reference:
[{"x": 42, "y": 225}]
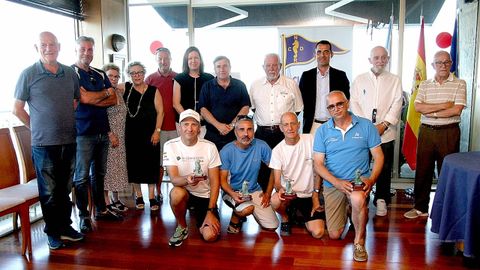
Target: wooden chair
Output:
[{"x": 15, "y": 198}]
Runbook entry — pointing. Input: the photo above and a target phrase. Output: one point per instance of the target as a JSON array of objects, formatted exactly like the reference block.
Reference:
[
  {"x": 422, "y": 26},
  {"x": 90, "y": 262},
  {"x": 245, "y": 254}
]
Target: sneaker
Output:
[
  {"x": 178, "y": 237},
  {"x": 108, "y": 215},
  {"x": 381, "y": 208},
  {"x": 139, "y": 203},
  {"x": 359, "y": 253},
  {"x": 119, "y": 206},
  {"x": 71, "y": 235},
  {"x": 285, "y": 229},
  {"x": 54, "y": 242},
  {"x": 154, "y": 206},
  {"x": 159, "y": 198},
  {"x": 85, "y": 225},
  {"x": 414, "y": 213}
]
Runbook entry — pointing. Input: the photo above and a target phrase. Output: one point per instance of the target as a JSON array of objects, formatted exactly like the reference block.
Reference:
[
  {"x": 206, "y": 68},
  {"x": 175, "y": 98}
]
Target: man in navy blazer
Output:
[{"x": 314, "y": 92}]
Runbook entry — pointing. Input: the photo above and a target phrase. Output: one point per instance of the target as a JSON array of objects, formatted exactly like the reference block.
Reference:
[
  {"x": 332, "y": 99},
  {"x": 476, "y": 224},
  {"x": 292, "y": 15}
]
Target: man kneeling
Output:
[
  {"x": 299, "y": 190},
  {"x": 241, "y": 160},
  {"x": 193, "y": 166}
]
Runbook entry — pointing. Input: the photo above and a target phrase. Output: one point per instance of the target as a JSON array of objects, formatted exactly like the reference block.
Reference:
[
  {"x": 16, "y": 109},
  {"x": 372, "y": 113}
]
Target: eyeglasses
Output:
[
  {"x": 339, "y": 105},
  {"x": 244, "y": 116},
  {"x": 374, "y": 115},
  {"x": 92, "y": 80},
  {"x": 134, "y": 73},
  {"x": 113, "y": 76},
  {"x": 444, "y": 63}
]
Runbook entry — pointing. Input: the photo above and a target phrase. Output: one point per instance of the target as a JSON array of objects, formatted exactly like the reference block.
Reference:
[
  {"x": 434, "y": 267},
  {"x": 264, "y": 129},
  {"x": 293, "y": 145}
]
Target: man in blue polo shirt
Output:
[
  {"x": 221, "y": 100},
  {"x": 96, "y": 94},
  {"x": 341, "y": 150},
  {"x": 241, "y": 160}
]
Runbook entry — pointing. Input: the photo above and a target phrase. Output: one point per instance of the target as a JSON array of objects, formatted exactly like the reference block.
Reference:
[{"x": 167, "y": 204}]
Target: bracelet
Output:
[
  {"x": 107, "y": 94},
  {"x": 213, "y": 209},
  {"x": 158, "y": 130},
  {"x": 385, "y": 125},
  {"x": 435, "y": 114},
  {"x": 316, "y": 190}
]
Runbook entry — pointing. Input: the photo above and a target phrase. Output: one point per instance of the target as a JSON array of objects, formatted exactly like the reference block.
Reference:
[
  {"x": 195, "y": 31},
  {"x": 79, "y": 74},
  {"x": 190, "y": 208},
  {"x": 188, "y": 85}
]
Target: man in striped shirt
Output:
[{"x": 440, "y": 101}]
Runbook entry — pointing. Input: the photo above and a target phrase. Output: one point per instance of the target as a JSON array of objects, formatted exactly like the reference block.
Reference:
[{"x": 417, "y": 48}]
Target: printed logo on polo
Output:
[
  {"x": 357, "y": 136},
  {"x": 332, "y": 139}
]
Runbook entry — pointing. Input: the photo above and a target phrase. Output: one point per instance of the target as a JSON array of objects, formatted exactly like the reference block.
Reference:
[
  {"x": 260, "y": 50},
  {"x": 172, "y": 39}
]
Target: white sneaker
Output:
[{"x": 381, "y": 208}]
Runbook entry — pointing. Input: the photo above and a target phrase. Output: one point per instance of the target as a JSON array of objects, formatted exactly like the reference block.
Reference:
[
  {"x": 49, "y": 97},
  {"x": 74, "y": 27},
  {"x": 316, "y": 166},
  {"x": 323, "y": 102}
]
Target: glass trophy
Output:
[
  {"x": 357, "y": 183},
  {"x": 244, "y": 194},
  {"x": 289, "y": 193},
  {"x": 198, "y": 174}
]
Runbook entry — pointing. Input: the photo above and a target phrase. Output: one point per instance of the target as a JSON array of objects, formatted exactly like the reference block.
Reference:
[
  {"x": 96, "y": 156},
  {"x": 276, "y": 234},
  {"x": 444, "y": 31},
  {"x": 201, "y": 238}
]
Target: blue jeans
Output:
[
  {"x": 54, "y": 166},
  {"x": 90, "y": 169}
]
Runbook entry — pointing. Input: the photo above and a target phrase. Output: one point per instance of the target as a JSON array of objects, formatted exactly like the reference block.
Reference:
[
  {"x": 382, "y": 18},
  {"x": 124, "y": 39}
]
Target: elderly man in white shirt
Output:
[
  {"x": 271, "y": 96},
  {"x": 377, "y": 95}
]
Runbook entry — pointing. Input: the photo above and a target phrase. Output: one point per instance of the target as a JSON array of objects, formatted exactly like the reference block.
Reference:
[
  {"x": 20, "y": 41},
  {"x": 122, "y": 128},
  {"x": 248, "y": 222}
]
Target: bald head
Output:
[
  {"x": 442, "y": 64},
  {"x": 48, "y": 47},
  {"x": 379, "y": 59}
]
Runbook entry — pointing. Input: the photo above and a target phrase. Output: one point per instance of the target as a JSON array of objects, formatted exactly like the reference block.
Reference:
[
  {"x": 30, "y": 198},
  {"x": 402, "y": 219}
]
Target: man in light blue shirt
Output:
[{"x": 341, "y": 148}]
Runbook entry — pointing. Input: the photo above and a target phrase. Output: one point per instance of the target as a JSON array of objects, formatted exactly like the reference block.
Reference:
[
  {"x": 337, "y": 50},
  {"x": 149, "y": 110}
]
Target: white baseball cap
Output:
[{"x": 189, "y": 113}]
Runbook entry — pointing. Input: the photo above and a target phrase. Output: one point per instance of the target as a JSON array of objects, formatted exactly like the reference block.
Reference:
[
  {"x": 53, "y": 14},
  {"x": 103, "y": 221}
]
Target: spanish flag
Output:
[{"x": 410, "y": 137}]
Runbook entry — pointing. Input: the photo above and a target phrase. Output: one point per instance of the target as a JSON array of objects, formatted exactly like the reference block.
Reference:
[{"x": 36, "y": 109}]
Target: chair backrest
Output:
[
  {"x": 9, "y": 172},
  {"x": 24, "y": 138}
]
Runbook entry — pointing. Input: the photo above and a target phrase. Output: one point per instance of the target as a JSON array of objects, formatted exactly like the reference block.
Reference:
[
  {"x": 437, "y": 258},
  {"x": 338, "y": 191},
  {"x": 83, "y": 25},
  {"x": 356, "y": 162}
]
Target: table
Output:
[{"x": 456, "y": 207}]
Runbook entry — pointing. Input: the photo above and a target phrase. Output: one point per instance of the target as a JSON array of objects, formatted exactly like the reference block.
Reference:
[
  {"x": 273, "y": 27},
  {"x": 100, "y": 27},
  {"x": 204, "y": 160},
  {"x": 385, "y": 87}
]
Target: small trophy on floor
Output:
[
  {"x": 244, "y": 194},
  {"x": 289, "y": 193},
  {"x": 198, "y": 174},
  {"x": 357, "y": 183}
]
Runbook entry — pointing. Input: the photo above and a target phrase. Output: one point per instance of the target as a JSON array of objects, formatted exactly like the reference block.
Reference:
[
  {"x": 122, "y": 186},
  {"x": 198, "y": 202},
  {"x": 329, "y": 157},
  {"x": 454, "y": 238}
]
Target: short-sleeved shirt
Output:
[
  {"x": 244, "y": 164},
  {"x": 431, "y": 91},
  {"x": 296, "y": 163},
  {"x": 92, "y": 120},
  {"x": 223, "y": 104},
  {"x": 50, "y": 101},
  {"x": 164, "y": 84},
  {"x": 346, "y": 152},
  {"x": 176, "y": 153},
  {"x": 190, "y": 88},
  {"x": 271, "y": 101}
]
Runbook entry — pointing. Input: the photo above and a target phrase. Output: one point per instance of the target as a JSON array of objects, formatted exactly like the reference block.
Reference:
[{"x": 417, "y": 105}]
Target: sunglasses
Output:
[{"x": 339, "y": 105}]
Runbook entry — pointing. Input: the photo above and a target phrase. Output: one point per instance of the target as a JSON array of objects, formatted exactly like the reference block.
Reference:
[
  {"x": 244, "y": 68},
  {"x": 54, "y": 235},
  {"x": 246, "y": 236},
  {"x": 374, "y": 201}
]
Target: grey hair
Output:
[
  {"x": 111, "y": 66},
  {"x": 85, "y": 39},
  {"x": 135, "y": 63},
  {"x": 221, "y": 57}
]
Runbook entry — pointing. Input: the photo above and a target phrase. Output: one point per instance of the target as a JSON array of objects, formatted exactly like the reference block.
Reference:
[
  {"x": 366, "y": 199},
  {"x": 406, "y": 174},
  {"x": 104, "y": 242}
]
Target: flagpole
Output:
[
  {"x": 401, "y": 27},
  {"x": 283, "y": 54}
]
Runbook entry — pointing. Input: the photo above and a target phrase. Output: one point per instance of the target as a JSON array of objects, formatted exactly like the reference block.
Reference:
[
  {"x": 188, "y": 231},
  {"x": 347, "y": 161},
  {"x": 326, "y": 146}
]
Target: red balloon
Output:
[
  {"x": 155, "y": 45},
  {"x": 444, "y": 40}
]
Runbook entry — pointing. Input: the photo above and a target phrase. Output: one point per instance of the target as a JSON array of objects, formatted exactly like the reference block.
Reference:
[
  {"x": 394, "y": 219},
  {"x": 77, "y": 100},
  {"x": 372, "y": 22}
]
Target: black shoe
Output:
[
  {"x": 54, "y": 242},
  {"x": 85, "y": 225},
  {"x": 139, "y": 203},
  {"x": 71, "y": 235},
  {"x": 119, "y": 206},
  {"x": 285, "y": 229},
  {"x": 108, "y": 215}
]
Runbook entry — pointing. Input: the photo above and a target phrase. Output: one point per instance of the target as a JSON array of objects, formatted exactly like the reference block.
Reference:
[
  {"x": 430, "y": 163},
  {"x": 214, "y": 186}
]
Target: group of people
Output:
[{"x": 111, "y": 134}]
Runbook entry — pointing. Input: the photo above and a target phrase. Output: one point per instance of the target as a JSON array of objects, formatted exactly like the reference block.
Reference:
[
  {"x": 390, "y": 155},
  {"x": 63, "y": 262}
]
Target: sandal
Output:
[
  {"x": 154, "y": 206},
  {"x": 234, "y": 228},
  {"x": 139, "y": 204}
]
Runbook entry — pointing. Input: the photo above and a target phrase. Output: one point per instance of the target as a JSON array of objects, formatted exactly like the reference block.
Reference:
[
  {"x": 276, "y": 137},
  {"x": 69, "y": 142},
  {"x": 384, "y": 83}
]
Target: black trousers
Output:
[
  {"x": 385, "y": 178},
  {"x": 272, "y": 137},
  {"x": 434, "y": 143}
]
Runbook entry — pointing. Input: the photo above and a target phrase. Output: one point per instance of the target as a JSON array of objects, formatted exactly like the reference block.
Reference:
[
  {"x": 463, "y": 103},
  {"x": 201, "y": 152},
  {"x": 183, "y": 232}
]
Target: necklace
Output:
[{"x": 139, "y": 102}]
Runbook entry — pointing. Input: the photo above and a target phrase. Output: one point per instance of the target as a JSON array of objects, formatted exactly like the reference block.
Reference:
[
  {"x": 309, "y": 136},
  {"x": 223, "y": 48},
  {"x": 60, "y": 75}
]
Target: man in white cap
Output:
[{"x": 193, "y": 166}]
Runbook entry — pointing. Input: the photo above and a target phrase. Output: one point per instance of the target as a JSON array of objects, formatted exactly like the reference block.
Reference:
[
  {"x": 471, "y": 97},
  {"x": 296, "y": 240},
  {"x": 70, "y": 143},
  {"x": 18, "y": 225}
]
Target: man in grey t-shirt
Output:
[{"x": 51, "y": 90}]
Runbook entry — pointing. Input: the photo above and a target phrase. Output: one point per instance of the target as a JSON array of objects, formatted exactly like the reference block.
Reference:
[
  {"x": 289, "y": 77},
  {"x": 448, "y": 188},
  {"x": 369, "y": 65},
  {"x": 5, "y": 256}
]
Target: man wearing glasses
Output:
[
  {"x": 377, "y": 95},
  {"x": 341, "y": 154},
  {"x": 241, "y": 161},
  {"x": 96, "y": 94},
  {"x": 440, "y": 101},
  {"x": 316, "y": 83}
]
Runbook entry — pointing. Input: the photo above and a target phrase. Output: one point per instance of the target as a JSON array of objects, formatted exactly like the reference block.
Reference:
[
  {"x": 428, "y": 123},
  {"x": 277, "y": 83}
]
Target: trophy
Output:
[
  {"x": 357, "y": 183},
  {"x": 198, "y": 174},
  {"x": 289, "y": 193},
  {"x": 244, "y": 194}
]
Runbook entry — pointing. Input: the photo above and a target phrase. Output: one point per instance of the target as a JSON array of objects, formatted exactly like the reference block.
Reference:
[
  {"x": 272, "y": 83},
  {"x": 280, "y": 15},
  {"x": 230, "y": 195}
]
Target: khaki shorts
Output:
[
  {"x": 336, "y": 205},
  {"x": 266, "y": 217}
]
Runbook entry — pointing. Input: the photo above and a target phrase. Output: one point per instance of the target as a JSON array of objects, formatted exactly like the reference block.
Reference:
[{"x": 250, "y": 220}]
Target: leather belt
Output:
[
  {"x": 438, "y": 127},
  {"x": 273, "y": 128},
  {"x": 320, "y": 121}
]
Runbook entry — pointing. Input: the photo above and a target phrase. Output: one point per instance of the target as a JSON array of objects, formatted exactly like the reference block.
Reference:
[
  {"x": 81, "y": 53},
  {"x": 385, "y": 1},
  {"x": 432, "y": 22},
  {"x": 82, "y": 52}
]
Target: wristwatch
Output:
[
  {"x": 316, "y": 190},
  {"x": 158, "y": 130}
]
